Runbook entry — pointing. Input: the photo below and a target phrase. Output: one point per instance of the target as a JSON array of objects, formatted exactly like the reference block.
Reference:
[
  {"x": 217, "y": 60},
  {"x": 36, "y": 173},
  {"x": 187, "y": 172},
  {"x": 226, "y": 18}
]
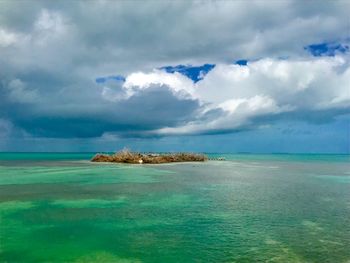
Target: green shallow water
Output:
[{"x": 271, "y": 208}]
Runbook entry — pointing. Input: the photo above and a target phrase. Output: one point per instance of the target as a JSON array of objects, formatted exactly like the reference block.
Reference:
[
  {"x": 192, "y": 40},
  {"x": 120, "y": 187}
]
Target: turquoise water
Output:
[
  {"x": 251, "y": 208},
  {"x": 268, "y": 157}
]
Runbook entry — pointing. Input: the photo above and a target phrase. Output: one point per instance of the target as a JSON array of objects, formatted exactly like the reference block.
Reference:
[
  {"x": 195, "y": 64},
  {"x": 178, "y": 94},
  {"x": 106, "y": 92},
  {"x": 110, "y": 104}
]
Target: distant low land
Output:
[{"x": 126, "y": 156}]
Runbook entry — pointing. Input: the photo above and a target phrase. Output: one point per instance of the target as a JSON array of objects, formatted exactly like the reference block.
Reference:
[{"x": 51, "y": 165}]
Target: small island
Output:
[{"x": 126, "y": 156}]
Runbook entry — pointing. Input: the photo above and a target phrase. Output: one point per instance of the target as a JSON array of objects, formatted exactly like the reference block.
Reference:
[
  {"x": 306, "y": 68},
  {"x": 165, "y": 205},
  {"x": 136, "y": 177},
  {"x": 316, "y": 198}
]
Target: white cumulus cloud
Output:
[{"x": 263, "y": 88}]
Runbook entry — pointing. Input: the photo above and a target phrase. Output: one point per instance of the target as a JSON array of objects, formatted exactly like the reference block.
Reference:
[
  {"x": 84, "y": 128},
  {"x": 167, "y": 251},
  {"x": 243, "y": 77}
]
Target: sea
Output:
[{"x": 60, "y": 207}]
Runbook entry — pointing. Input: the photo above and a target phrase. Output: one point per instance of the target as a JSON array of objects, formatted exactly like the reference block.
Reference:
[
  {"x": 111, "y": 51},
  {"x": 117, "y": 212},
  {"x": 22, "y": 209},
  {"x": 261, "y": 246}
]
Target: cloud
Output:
[
  {"x": 156, "y": 34},
  {"x": 178, "y": 83},
  {"x": 92, "y": 115},
  {"x": 65, "y": 72},
  {"x": 18, "y": 92},
  {"x": 115, "y": 78},
  {"x": 7, "y": 38},
  {"x": 5, "y": 128},
  {"x": 263, "y": 89}
]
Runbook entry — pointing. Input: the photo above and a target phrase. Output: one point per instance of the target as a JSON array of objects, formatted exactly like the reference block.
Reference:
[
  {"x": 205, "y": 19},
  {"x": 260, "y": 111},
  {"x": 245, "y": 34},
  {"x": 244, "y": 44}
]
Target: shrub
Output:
[{"x": 126, "y": 156}]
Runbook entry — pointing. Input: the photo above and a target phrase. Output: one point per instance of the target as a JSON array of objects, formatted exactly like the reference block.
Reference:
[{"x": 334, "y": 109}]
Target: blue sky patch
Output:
[
  {"x": 326, "y": 49},
  {"x": 195, "y": 73},
  {"x": 242, "y": 62},
  {"x": 100, "y": 80}
]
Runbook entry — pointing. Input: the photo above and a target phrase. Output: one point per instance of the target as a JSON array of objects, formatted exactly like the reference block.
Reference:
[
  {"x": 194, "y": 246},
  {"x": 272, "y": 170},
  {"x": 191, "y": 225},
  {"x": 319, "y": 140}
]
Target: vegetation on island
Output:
[{"x": 126, "y": 156}]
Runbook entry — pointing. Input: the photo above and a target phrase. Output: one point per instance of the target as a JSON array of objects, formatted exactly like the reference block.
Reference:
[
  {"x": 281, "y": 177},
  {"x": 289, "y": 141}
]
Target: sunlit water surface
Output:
[{"x": 250, "y": 208}]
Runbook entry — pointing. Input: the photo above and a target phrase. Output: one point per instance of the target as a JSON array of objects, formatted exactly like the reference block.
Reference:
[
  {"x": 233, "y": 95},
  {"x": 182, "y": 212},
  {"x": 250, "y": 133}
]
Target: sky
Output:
[{"x": 204, "y": 76}]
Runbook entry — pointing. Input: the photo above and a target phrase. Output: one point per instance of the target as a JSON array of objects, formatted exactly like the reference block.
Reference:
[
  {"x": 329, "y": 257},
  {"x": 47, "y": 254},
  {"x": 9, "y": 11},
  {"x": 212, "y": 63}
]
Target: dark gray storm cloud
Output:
[{"x": 87, "y": 114}]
